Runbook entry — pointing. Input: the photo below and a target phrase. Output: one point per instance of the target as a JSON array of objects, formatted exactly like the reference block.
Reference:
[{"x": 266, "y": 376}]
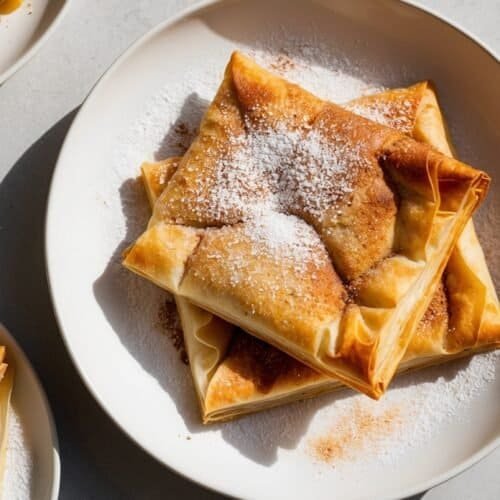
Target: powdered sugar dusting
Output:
[
  {"x": 19, "y": 463},
  {"x": 284, "y": 237},
  {"x": 292, "y": 171},
  {"x": 271, "y": 175},
  {"x": 313, "y": 65},
  {"x": 383, "y": 112}
]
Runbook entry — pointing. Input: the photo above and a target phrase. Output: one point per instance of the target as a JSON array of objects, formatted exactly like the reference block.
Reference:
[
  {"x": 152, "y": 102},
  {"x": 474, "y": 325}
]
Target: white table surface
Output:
[{"x": 37, "y": 106}]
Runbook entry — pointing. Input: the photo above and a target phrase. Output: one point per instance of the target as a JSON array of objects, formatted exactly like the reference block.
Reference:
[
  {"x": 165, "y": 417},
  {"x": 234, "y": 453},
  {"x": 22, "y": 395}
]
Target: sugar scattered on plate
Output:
[
  {"x": 409, "y": 415},
  {"x": 19, "y": 462},
  {"x": 316, "y": 66}
]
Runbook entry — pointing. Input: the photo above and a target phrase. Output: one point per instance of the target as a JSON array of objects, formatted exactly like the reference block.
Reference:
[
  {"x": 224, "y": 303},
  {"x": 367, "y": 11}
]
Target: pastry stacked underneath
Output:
[{"x": 310, "y": 245}]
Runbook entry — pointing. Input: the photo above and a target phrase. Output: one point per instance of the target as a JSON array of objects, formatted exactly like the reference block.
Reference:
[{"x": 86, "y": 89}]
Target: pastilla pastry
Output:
[
  {"x": 235, "y": 373},
  {"x": 314, "y": 229}
]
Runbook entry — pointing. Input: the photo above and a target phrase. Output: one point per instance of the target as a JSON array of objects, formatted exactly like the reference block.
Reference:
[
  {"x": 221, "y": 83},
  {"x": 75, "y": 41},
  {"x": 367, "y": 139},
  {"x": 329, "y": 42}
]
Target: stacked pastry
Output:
[{"x": 309, "y": 247}]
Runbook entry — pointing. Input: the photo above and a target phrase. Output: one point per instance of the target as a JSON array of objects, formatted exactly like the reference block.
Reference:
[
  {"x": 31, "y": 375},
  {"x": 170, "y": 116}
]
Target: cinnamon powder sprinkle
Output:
[
  {"x": 169, "y": 322},
  {"x": 182, "y": 129},
  {"x": 355, "y": 433},
  {"x": 185, "y": 136},
  {"x": 282, "y": 64}
]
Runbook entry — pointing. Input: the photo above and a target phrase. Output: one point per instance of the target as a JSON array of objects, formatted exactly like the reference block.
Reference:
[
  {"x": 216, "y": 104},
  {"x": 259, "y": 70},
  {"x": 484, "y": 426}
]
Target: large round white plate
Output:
[
  {"x": 37, "y": 454},
  {"x": 108, "y": 316},
  {"x": 24, "y": 31}
]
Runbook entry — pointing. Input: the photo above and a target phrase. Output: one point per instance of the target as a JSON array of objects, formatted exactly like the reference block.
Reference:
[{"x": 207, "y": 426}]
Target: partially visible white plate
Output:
[
  {"x": 24, "y": 31},
  {"x": 109, "y": 331},
  {"x": 34, "y": 416}
]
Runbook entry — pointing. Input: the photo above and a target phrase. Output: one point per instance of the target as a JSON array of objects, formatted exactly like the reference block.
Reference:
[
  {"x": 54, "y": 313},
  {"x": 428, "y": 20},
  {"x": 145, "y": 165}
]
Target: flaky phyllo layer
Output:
[{"x": 317, "y": 230}]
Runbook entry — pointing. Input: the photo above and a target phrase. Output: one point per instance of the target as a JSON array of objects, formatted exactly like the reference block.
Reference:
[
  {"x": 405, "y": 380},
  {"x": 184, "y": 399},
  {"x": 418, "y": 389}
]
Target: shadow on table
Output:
[{"x": 94, "y": 452}]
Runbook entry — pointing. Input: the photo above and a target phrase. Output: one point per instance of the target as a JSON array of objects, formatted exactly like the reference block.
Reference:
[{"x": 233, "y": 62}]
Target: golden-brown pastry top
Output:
[
  {"x": 255, "y": 142},
  {"x": 395, "y": 108},
  {"x": 156, "y": 176},
  {"x": 278, "y": 282}
]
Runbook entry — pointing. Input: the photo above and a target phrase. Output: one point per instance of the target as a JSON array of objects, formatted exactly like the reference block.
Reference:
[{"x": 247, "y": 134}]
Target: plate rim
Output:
[
  {"x": 26, "y": 363},
  {"x": 167, "y": 24},
  {"x": 33, "y": 50}
]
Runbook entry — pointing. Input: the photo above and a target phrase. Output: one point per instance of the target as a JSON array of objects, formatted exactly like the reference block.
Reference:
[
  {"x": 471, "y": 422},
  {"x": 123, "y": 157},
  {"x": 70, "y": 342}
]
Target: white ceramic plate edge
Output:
[
  {"x": 56, "y": 462},
  {"x": 215, "y": 486},
  {"x": 457, "y": 26},
  {"x": 30, "y": 53}
]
